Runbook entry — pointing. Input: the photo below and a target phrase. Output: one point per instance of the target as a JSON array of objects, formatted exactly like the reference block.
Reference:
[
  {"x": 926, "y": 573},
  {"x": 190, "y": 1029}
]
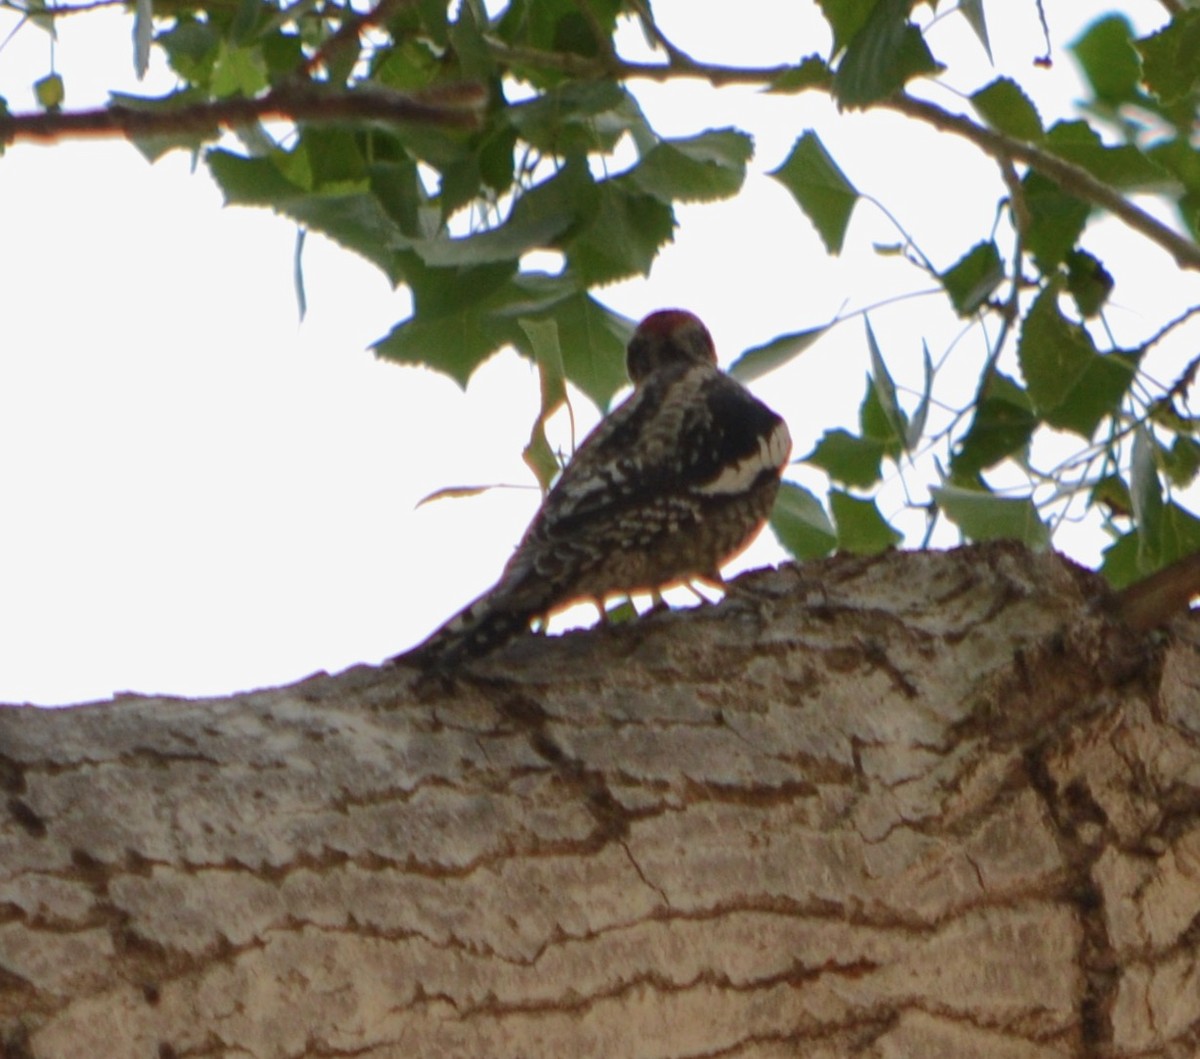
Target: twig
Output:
[
  {"x": 349, "y": 32},
  {"x": 457, "y": 107}
]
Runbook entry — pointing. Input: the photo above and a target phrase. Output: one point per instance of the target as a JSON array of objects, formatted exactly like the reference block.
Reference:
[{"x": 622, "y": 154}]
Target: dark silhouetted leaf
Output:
[
  {"x": 1056, "y": 221},
  {"x": 1088, "y": 281},
  {"x": 1112, "y": 494},
  {"x": 971, "y": 280}
]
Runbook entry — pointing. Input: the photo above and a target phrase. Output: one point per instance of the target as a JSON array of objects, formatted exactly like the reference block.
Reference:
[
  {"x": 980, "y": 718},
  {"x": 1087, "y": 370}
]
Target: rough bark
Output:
[{"x": 920, "y": 805}]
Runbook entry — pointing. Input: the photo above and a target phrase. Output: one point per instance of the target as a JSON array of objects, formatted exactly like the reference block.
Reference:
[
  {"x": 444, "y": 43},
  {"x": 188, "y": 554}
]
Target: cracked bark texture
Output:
[{"x": 931, "y": 804}]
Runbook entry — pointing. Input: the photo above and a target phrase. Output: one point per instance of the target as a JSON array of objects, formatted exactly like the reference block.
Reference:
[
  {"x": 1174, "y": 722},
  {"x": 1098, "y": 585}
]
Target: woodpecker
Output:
[{"x": 669, "y": 487}]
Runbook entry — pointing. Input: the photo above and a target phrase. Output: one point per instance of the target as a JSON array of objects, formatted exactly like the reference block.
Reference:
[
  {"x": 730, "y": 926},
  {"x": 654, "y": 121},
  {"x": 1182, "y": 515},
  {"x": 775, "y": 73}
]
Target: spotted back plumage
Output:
[{"x": 671, "y": 485}]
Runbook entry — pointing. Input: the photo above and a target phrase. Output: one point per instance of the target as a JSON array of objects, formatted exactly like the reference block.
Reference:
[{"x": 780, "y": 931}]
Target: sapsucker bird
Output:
[{"x": 675, "y": 482}]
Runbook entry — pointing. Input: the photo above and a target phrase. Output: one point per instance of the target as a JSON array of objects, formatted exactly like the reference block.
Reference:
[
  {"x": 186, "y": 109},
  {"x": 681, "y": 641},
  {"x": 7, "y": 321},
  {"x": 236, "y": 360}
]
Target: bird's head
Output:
[{"x": 668, "y": 337}]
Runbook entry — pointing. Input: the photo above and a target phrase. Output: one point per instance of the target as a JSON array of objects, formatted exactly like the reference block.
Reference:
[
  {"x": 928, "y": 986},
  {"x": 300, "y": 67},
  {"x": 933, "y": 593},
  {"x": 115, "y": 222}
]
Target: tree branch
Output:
[
  {"x": 1070, "y": 177},
  {"x": 458, "y": 107}
]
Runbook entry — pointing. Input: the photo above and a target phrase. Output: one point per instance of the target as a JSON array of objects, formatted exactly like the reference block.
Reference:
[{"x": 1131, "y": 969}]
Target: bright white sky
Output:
[{"x": 201, "y": 495}]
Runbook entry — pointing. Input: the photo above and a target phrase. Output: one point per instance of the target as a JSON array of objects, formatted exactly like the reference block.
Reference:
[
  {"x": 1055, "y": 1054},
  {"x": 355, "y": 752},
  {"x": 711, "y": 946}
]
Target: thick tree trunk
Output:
[{"x": 921, "y": 805}]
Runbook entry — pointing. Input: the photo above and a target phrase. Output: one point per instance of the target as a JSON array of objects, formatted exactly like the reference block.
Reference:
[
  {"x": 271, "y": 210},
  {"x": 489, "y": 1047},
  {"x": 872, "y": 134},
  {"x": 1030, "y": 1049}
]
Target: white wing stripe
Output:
[{"x": 772, "y": 453}]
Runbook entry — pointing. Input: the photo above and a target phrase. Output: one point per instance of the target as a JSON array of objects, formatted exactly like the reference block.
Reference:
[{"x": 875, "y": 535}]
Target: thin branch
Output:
[
  {"x": 458, "y": 107},
  {"x": 622, "y": 69},
  {"x": 1068, "y": 176}
]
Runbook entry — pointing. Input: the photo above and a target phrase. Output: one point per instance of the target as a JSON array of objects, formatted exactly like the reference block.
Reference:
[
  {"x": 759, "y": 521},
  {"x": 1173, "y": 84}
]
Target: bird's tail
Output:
[{"x": 478, "y": 628}]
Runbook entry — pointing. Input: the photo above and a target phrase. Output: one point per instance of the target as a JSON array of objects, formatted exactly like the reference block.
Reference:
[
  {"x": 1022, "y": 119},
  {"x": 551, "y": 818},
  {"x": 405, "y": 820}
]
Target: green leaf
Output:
[
  {"x": 357, "y": 222},
  {"x": 1054, "y": 353},
  {"x": 593, "y": 340},
  {"x": 49, "y": 92},
  {"x": 984, "y": 517},
  {"x": 884, "y": 389},
  {"x": 454, "y": 345},
  {"x": 813, "y": 72},
  {"x": 1145, "y": 494},
  {"x": 624, "y": 236},
  {"x": 971, "y": 280},
  {"x": 334, "y": 159},
  {"x": 820, "y": 188},
  {"x": 1056, "y": 221},
  {"x": 886, "y": 53},
  {"x": 1088, "y": 281},
  {"x": 1181, "y": 533},
  {"x": 701, "y": 168},
  {"x": 251, "y": 181},
  {"x": 1006, "y": 108},
  {"x": 1171, "y": 57},
  {"x": 1002, "y": 425},
  {"x": 559, "y": 25},
  {"x": 191, "y": 48},
  {"x": 1120, "y": 566},
  {"x": 1071, "y": 385},
  {"x": 861, "y": 529},
  {"x": 875, "y": 423},
  {"x": 1112, "y": 494},
  {"x": 542, "y": 342},
  {"x": 972, "y": 11},
  {"x": 845, "y": 18},
  {"x": 847, "y": 458},
  {"x": 1098, "y": 394},
  {"x": 1123, "y": 167},
  {"x": 526, "y": 229},
  {"x": 1129, "y": 559},
  {"x": 576, "y": 118},
  {"x": 759, "y": 360},
  {"x": 238, "y": 71},
  {"x": 799, "y": 522},
  {"x": 916, "y": 426},
  {"x": 1105, "y": 53},
  {"x": 1183, "y": 461}
]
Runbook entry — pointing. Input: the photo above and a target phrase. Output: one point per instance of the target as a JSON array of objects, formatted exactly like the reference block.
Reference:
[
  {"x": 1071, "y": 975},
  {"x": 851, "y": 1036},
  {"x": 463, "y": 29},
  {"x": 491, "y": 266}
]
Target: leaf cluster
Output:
[{"x": 505, "y": 228}]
